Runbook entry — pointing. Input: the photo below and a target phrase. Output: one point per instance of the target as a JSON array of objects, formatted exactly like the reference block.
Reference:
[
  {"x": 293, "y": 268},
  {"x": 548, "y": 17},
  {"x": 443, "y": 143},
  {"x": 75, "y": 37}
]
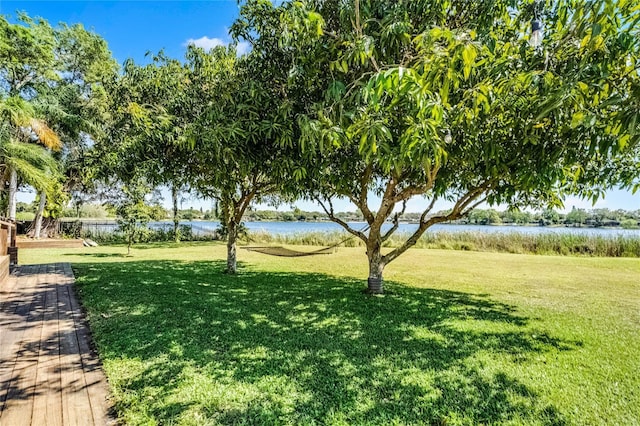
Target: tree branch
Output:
[
  {"x": 243, "y": 203},
  {"x": 428, "y": 209},
  {"x": 358, "y": 27},
  {"x": 352, "y": 86},
  {"x": 334, "y": 218},
  {"x": 412, "y": 190},
  {"x": 388, "y": 202},
  {"x": 20, "y": 84},
  {"x": 461, "y": 208},
  {"x": 396, "y": 222},
  {"x": 363, "y": 201},
  {"x": 375, "y": 63},
  {"x": 468, "y": 210}
]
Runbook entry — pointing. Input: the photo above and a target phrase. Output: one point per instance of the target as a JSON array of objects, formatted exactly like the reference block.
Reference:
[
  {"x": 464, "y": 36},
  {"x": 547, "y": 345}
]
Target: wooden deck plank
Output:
[
  {"x": 48, "y": 373},
  {"x": 14, "y": 313},
  {"x": 5, "y": 262},
  {"x": 76, "y": 407},
  {"x": 97, "y": 386},
  {"x": 18, "y": 406},
  {"x": 47, "y": 409},
  {"x": 17, "y": 302},
  {"x": 14, "y": 307}
]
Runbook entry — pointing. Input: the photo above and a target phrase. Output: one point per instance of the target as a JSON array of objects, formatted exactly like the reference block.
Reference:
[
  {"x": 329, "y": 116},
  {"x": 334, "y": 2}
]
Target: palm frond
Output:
[
  {"x": 46, "y": 136},
  {"x": 34, "y": 176},
  {"x": 17, "y": 111},
  {"x": 22, "y": 115},
  {"x": 24, "y": 153}
]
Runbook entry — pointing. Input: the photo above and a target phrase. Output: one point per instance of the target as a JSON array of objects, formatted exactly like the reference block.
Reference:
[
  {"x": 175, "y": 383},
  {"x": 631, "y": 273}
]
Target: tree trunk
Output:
[
  {"x": 39, "y": 215},
  {"x": 375, "y": 283},
  {"x": 13, "y": 189},
  {"x": 232, "y": 229},
  {"x": 176, "y": 220},
  {"x": 376, "y": 262}
]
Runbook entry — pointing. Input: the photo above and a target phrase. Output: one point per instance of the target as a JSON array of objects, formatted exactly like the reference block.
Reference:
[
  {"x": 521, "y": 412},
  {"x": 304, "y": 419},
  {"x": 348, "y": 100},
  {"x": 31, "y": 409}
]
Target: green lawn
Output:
[{"x": 462, "y": 337}]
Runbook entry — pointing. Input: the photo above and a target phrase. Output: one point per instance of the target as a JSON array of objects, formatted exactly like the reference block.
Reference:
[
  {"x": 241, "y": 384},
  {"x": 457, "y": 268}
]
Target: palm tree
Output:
[{"x": 21, "y": 157}]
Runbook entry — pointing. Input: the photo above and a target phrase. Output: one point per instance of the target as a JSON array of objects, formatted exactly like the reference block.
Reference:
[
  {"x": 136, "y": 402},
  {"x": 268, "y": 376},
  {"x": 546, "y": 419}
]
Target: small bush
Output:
[
  {"x": 147, "y": 235},
  {"x": 25, "y": 216}
]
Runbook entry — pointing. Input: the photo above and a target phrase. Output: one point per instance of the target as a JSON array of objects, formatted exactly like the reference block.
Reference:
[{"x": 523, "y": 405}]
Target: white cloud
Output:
[
  {"x": 205, "y": 42},
  {"x": 243, "y": 47},
  {"x": 209, "y": 43}
]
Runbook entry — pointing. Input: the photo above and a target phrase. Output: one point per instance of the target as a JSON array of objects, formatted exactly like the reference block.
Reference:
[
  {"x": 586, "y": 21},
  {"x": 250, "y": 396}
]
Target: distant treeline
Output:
[
  {"x": 629, "y": 219},
  {"x": 576, "y": 217}
]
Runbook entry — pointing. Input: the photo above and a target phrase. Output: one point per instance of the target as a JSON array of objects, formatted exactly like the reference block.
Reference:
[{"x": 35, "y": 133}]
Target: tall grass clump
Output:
[{"x": 512, "y": 242}]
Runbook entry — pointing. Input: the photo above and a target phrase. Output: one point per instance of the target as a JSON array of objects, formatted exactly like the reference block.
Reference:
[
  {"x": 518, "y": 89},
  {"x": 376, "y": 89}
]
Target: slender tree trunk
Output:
[
  {"x": 376, "y": 262},
  {"x": 232, "y": 230},
  {"x": 13, "y": 189},
  {"x": 176, "y": 220},
  {"x": 39, "y": 215}
]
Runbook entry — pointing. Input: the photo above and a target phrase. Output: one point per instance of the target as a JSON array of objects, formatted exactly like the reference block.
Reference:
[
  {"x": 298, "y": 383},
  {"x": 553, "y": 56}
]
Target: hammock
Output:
[{"x": 285, "y": 252}]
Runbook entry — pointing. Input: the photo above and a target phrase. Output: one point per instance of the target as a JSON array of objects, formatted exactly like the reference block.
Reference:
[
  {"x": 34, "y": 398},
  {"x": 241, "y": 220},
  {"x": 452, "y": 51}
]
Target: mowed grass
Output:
[{"x": 461, "y": 338}]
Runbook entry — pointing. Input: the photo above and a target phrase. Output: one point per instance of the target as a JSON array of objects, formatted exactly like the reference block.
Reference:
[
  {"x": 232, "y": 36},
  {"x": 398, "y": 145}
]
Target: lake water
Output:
[{"x": 290, "y": 228}]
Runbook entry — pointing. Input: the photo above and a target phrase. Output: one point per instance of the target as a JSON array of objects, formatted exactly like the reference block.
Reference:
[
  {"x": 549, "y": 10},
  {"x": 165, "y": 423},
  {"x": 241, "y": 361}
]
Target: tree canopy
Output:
[
  {"x": 450, "y": 100},
  {"x": 364, "y": 99},
  {"x": 52, "y": 94},
  {"x": 242, "y": 135},
  {"x": 211, "y": 123}
]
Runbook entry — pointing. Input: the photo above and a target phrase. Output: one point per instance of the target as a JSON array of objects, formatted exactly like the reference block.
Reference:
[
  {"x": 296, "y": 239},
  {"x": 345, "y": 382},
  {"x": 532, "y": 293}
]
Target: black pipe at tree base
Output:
[{"x": 375, "y": 286}]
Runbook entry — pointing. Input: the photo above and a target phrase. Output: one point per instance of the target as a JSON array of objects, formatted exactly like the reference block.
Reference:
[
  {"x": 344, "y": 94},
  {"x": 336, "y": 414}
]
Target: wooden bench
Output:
[{"x": 26, "y": 243}]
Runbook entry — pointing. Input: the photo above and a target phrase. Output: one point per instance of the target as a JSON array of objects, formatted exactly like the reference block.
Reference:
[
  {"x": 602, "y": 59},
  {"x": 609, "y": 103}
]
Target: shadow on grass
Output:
[{"x": 301, "y": 348}]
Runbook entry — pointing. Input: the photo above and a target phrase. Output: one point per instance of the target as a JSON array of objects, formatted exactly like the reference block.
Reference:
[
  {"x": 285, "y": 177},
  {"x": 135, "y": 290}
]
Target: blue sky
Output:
[{"x": 133, "y": 28}]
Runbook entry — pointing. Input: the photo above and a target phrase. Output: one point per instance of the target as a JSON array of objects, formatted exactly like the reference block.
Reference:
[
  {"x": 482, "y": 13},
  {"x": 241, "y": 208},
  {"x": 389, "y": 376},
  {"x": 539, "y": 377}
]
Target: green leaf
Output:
[
  {"x": 468, "y": 56},
  {"x": 576, "y": 119},
  {"x": 551, "y": 105}
]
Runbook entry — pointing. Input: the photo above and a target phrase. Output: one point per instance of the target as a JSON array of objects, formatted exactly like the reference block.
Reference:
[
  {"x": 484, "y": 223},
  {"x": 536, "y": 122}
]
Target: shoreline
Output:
[{"x": 112, "y": 221}]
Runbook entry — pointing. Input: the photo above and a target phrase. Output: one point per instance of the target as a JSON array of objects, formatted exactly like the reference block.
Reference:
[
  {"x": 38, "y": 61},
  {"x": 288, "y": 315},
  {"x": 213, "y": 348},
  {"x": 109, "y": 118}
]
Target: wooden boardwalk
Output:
[{"x": 48, "y": 373}]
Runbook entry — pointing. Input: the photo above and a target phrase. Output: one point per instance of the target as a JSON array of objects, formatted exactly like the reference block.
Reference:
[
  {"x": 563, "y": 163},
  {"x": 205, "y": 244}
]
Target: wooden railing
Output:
[
  {"x": 8, "y": 249},
  {"x": 8, "y": 240}
]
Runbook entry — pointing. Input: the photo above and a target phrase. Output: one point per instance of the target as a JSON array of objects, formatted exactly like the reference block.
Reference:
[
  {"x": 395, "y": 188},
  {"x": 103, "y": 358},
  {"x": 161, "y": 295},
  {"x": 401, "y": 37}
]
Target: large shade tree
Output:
[
  {"x": 454, "y": 101},
  {"x": 152, "y": 110},
  {"x": 241, "y": 134},
  {"x": 51, "y": 84},
  {"x": 217, "y": 123},
  {"x": 75, "y": 105},
  {"x": 26, "y": 64}
]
